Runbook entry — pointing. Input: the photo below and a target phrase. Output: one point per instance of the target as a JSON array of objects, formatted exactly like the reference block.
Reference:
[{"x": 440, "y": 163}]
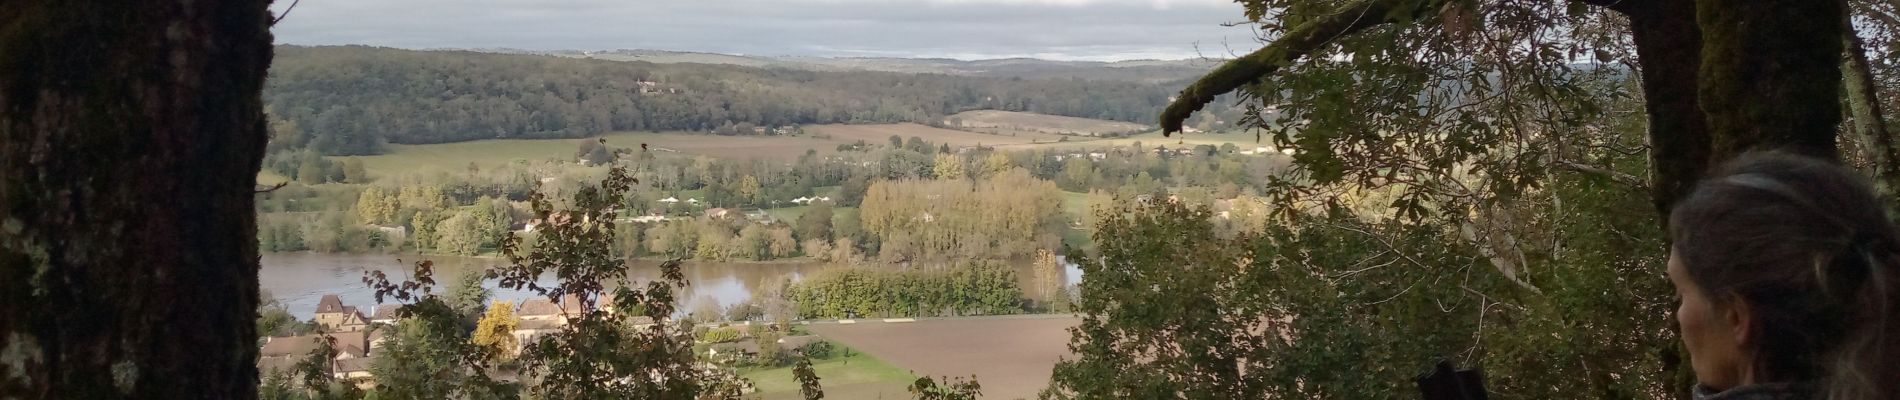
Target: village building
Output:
[
  {"x": 333, "y": 316},
  {"x": 538, "y": 309},
  {"x": 385, "y": 314}
]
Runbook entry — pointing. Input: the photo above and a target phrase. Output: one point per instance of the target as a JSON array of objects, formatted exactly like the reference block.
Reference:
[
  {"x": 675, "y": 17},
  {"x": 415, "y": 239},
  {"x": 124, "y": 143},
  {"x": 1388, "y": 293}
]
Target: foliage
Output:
[
  {"x": 425, "y": 357},
  {"x": 1049, "y": 282},
  {"x": 966, "y": 289},
  {"x": 721, "y": 335},
  {"x": 808, "y": 385},
  {"x": 467, "y": 297},
  {"x": 928, "y": 389},
  {"x": 599, "y": 354},
  {"x": 1341, "y": 306},
  {"x": 495, "y": 332},
  {"x": 274, "y": 319},
  {"x": 770, "y": 353},
  {"x": 1005, "y": 215}
]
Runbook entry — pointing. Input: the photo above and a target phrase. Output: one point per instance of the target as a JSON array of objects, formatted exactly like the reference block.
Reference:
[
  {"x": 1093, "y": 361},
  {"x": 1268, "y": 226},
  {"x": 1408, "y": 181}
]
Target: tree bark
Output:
[
  {"x": 1771, "y": 75},
  {"x": 130, "y": 137},
  {"x": 1863, "y": 109},
  {"x": 1668, "y": 47}
]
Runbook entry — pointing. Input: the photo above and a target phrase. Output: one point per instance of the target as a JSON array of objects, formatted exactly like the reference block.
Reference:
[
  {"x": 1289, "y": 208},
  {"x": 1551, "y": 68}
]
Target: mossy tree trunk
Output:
[
  {"x": 130, "y": 137},
  {"x": 1668, "y": 45},
  {"x": 1771, "y": 75}
]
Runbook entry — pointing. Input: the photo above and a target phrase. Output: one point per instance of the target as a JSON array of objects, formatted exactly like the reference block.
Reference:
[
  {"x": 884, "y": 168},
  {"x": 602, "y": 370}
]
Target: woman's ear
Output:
[{"x": 1740, "y": 317}]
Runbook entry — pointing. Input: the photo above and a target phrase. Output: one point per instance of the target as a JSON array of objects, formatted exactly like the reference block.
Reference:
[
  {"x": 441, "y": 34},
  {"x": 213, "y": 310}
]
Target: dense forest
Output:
[{"x": 351, "y": 100}]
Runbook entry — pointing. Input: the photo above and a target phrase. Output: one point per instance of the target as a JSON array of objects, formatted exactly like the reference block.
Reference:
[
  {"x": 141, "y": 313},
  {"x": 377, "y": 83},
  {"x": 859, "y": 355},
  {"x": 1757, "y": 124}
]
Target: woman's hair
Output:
[{"x": 1808, "y": 245}]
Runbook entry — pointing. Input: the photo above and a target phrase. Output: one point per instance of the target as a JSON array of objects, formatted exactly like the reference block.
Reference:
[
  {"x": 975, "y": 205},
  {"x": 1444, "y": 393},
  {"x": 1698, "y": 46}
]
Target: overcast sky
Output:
[{"x": 965, "y": 29}]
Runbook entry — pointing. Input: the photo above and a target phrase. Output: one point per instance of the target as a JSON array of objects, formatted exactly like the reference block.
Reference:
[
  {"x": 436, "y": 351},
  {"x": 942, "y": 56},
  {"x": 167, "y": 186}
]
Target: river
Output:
[{"x": 299, "y": 280}]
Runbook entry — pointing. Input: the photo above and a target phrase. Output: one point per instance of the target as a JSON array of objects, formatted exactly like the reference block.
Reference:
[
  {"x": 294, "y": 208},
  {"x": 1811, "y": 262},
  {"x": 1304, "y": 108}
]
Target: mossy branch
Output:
[{"x": 1299, "y": 42}]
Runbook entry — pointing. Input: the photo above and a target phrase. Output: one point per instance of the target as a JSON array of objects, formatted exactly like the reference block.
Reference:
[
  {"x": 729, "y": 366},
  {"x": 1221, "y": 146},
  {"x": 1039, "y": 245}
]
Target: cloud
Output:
[{"x": 1060, "y": 29}]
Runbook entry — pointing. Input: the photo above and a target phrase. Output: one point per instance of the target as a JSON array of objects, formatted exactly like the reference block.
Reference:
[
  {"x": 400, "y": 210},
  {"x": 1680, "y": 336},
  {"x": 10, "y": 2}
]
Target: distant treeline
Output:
[{"x": 351, "y": 100}]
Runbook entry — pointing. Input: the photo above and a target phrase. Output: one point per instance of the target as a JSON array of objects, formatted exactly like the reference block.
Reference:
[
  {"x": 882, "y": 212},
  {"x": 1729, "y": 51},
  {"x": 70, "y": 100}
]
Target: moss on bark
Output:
[{"x": 130, "y": 136}]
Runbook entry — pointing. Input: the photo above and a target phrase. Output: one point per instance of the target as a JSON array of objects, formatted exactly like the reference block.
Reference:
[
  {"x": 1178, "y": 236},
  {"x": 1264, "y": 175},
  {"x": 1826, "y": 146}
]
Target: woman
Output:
[{"x": 1787, "y": 269}]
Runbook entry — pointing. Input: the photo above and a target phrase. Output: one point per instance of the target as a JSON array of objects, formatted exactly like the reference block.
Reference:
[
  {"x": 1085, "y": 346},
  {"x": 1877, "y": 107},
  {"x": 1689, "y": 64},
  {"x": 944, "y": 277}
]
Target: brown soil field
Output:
[
  {"x": 881, "y": 134},
  {"x": 1010, "y": 356},
  {"x": 985, "y": 120}
]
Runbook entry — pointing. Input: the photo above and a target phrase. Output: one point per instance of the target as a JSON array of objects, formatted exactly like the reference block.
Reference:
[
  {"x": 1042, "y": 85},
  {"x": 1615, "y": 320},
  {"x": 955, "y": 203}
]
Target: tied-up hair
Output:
[{"x": 1808, "y": 246}]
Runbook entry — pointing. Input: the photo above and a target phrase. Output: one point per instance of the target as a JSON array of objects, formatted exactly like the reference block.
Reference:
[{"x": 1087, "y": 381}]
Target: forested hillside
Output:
[{"x": 350, "y": 100}]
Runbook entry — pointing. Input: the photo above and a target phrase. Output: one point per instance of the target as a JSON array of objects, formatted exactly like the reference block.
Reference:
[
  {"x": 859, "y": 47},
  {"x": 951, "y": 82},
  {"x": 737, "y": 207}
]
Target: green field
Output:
[
  {"x": 403, "y": 158},
  {"x": 839, "y": 376}
]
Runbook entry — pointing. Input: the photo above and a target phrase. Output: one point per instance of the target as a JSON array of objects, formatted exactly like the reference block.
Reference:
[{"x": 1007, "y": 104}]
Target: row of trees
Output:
[
  {"x": 1009, "y": 214},
  {"x": 972, "y": 288}
]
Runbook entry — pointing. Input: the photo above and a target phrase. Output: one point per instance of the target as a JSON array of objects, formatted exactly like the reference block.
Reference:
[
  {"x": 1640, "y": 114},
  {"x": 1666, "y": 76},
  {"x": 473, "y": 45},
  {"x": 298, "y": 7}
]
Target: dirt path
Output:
[{"x": 1010, "y": 356}]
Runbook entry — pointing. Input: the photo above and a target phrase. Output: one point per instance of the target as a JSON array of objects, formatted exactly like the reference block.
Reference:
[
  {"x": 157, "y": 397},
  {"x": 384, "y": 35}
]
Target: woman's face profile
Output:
[{"x": 1709, "y": 332}]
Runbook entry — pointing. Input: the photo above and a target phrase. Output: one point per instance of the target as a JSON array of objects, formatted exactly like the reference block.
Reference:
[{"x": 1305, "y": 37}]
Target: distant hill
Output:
[{"x": 1151, "y": 71}]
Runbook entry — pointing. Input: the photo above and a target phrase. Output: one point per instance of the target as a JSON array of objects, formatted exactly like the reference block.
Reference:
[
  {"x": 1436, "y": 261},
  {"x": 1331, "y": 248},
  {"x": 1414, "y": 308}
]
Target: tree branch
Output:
[
  {"x": 1297, "y": 43},
  {"x": 1865, "y": 115},
  {"x": 1614, "y": 175},
  {"x": 1622, "y": 6}
]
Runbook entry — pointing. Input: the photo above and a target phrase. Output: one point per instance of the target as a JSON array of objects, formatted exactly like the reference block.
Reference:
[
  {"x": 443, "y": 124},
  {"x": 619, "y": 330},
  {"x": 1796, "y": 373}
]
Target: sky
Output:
[{"x": 1091, "y": 30}]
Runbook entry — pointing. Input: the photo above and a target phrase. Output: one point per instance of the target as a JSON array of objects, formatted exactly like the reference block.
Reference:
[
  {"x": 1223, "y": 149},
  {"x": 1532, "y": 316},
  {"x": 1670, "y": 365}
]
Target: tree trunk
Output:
[
  {"x": 130, "y": 137},
  {"x": 1863, "y": 109},
  {"x": 1771, "y": 75},
  {"x": 1668, "y": 46}
]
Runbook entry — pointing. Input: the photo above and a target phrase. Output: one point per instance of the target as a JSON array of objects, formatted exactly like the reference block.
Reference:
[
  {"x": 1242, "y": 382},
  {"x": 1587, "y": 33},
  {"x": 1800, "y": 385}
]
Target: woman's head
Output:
[{"x": 1786, "y": 267}]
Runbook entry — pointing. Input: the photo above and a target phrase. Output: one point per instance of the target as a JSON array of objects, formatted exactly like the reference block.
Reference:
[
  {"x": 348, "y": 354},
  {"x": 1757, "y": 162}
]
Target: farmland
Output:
[
  {"x": 1010, "y": 356},
  {"x": 881, "y": 133},
  {"x": 823, "y": 139},
  {"x": 1006, "y": 122}
]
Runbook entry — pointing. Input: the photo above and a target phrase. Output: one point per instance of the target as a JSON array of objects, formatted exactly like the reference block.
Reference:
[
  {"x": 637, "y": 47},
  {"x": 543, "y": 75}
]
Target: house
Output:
[
  {"x": 670, "y": 200},
  {"x": 354, "y": 369},
  {"x": 530, "y": 330},
  {"x": 571, "y": 306},
  {"x": 733, "y": 350},
  {"x": 333, "y": 316},
  {"x": 385, "y": 314},
  {"x": 802, "y": 200},
  {"x": 538, "y": 309},
  {"x": 395, "y": 233},
  {"x": 1098, "y": 156},
  {"x": 716, "y": 212},
  {"x": 798, "y": 342},
  {"x": 692, "y": 201},
  {"x": 648, "y": 219},
  {"x": 352, "y": 358}
]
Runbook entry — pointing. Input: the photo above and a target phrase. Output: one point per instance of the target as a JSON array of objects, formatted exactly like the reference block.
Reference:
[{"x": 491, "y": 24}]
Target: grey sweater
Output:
[{"x": 1767, "y": 391}]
